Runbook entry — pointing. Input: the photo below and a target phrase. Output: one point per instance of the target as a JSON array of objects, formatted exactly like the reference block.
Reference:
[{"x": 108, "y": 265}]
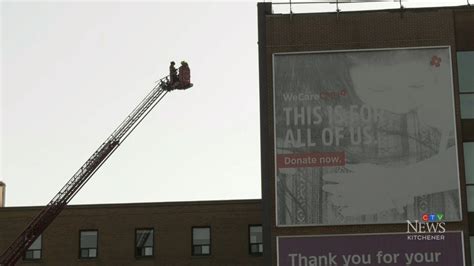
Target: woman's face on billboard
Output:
[{"x": 396, "y": 87}]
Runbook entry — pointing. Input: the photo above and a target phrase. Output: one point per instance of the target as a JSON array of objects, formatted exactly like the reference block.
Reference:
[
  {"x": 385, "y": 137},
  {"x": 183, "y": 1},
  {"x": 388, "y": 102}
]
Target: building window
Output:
[
  {"x": 88, "y": 244},
  {"x": 465, "y": 66},
  {"x": 144, "y": 242},
  {"x": 34, "y": 251},
  {"x": 201, "y": 241},
  {"x": 467, "y": 105},
  {"x": 255, "y": 240},
  {"x": 466, "y": 83},
  {"x": 469, "y": 170},
  {"x": 471, "y": 242},
  {"x": 469, "y": 162}
]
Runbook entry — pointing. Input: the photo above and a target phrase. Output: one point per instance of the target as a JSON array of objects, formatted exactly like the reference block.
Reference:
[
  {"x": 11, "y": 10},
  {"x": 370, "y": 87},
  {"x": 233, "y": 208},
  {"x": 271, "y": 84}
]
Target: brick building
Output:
[
  {"x": 285, "y": 41},
  {"x": 181, "y": 233}
]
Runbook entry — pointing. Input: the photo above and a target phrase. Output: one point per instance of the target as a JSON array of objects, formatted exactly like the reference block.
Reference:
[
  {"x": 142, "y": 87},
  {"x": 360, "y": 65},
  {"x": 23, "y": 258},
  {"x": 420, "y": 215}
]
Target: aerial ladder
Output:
[{"x": 37, "y": 226}]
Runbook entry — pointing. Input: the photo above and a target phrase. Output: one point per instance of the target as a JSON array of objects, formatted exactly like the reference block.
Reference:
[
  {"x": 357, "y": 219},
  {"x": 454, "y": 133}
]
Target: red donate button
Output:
[{"x": 319, "y": 159}]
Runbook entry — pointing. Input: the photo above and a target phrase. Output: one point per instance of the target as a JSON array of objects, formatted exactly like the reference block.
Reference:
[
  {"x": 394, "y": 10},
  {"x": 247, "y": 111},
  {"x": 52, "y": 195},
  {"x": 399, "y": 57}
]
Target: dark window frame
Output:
[
  {"x": 458, "y": 72},
  {"x": 468, "y": 185},
  {"x": 192, "y": 241},
  {"x": 40, "y": 250},
  {"x": 460, "y": 111},
  {"x": 96, "y": 244},
  {"x": 461, "y": 93},
  {"x": 253, "y": 244},
  {"x": 137, "y": 256}
]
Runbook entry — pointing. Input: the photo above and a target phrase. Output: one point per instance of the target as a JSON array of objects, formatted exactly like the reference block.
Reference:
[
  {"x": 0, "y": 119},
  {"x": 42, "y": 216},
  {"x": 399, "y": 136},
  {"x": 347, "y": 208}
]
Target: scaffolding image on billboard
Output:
[{"x": 364, "y": 136}]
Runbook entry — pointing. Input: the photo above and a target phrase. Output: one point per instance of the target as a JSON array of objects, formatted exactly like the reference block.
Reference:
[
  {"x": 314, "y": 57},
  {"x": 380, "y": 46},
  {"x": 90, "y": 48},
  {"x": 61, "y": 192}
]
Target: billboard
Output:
[
  {"x": 364, "y": 136},
  {"x": 376, "y": 249}
]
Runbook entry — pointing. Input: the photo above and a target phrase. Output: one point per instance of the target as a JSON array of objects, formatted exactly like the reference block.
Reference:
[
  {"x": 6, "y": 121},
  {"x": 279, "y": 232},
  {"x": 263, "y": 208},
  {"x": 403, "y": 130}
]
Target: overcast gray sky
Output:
[{"x": 72, "y": 71}]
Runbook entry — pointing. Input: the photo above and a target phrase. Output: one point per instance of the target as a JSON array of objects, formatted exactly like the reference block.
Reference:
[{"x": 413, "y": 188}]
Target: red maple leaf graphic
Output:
[{"x": 435, "y": 61}]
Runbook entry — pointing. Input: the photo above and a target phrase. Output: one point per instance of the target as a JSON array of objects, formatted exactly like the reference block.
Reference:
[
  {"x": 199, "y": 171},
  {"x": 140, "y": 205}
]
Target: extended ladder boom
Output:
[{"x": 80, "y": 178}]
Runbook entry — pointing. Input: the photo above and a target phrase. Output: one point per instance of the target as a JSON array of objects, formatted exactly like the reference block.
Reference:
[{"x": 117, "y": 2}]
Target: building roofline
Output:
[
  {"x": 390, "y": 10},
  {"x": 143, "y": 204}
]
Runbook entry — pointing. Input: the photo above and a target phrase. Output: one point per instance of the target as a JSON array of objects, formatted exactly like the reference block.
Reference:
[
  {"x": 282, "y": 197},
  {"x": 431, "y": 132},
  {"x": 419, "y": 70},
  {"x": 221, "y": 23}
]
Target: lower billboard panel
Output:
[{"x": 444, "y": 249}]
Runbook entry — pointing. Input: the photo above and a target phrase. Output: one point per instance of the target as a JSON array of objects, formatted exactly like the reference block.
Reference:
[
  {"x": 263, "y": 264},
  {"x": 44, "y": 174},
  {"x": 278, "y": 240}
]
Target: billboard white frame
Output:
[{"x": 362, "y": 50}]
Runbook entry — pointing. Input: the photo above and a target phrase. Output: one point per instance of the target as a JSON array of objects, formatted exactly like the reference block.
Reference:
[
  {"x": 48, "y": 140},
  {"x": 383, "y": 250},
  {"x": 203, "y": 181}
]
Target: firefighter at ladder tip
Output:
[{"x": 179, "y": 80}]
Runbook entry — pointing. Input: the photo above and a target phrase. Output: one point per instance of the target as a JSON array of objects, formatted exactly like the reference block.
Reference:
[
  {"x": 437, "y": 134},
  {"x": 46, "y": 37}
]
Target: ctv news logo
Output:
[{"x": 430, "y": 227}]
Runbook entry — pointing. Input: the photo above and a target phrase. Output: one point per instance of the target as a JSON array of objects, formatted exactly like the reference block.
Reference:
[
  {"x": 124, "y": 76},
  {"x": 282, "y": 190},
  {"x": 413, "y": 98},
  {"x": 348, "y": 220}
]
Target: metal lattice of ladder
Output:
[{"x": 85, "y": 172}]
